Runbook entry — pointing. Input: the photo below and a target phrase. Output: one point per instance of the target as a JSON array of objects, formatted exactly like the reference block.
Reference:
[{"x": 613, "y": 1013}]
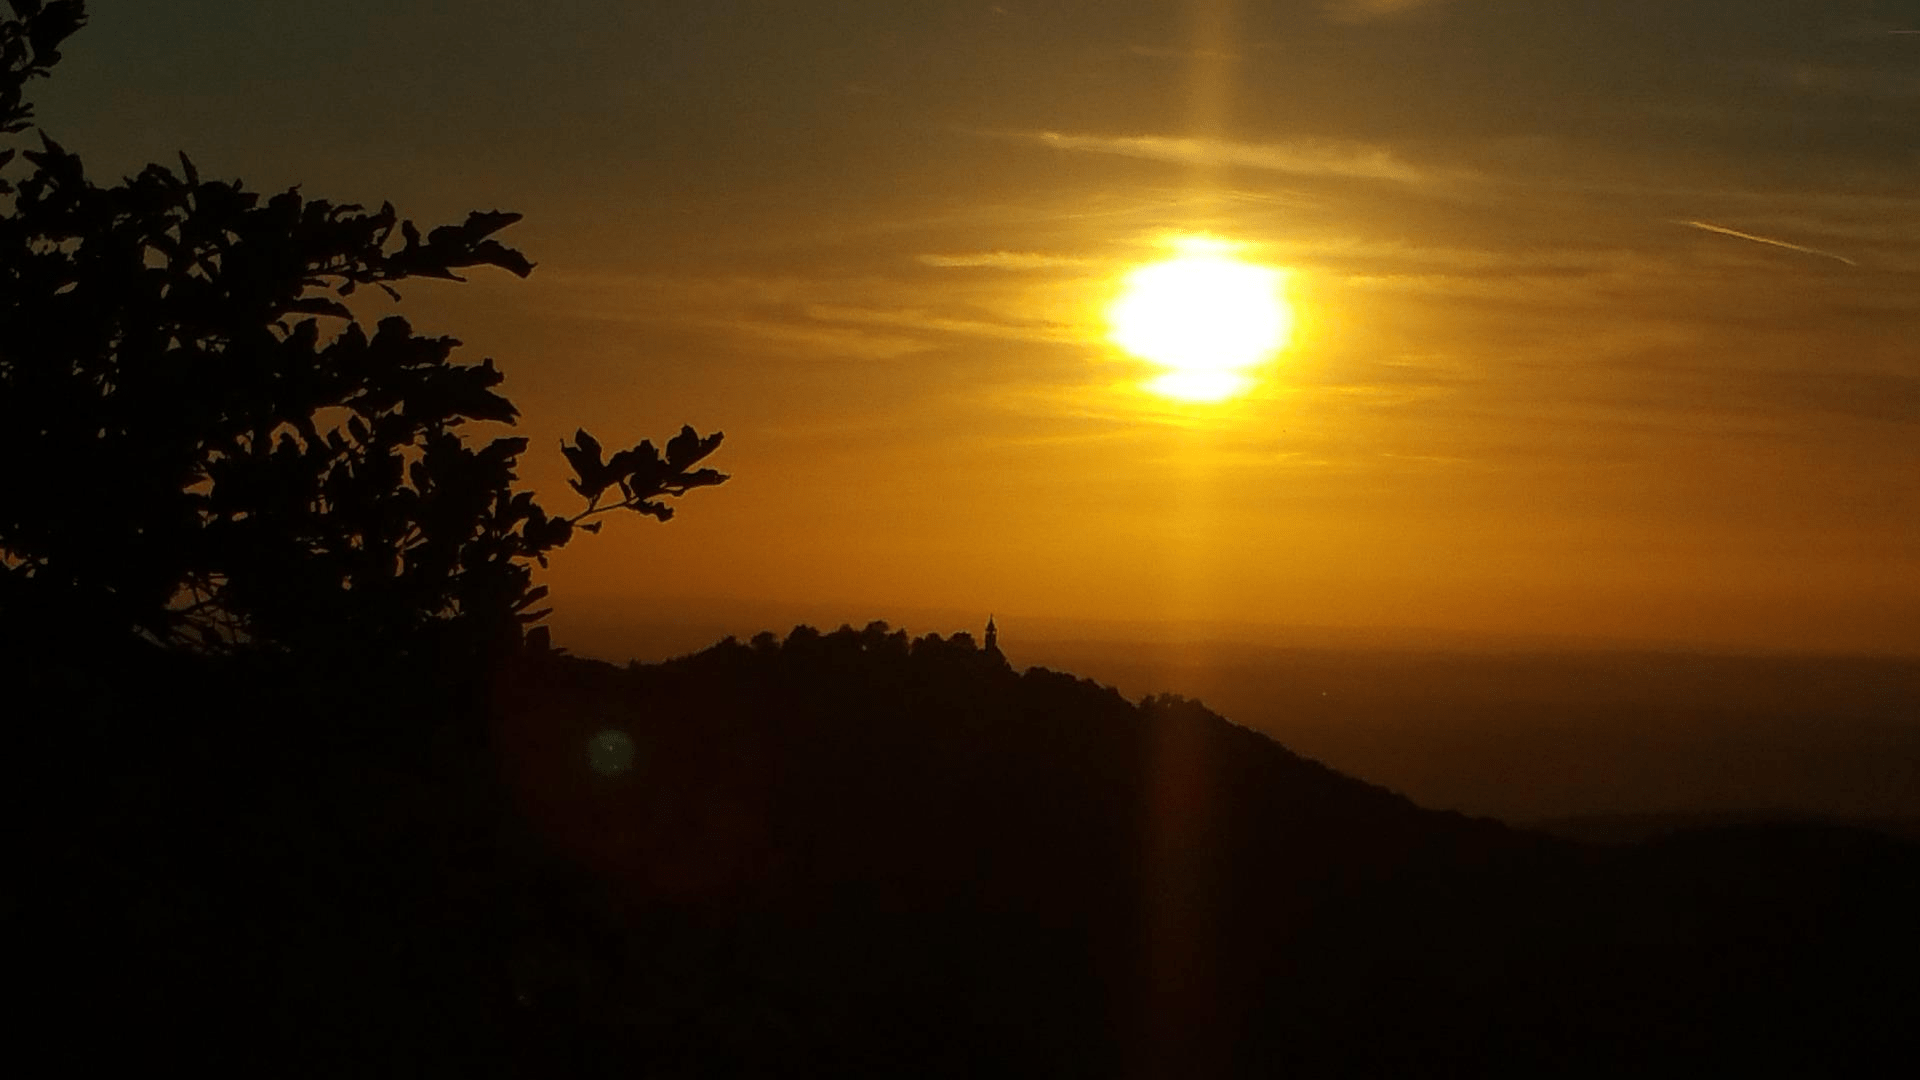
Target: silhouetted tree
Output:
[
  {"x": 29, "y": 47},
  {"x": 204, "y": 444}
]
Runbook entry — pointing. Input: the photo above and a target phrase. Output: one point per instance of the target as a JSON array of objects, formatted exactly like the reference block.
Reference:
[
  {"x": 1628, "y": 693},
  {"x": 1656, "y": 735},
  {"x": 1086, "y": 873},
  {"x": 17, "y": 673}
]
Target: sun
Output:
[{"x": 1204, "y": 316}]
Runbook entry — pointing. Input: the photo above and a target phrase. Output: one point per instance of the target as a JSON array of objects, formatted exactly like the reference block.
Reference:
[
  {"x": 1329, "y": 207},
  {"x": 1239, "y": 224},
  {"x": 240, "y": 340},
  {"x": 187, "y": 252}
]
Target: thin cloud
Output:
[
  {"x": 1163, "y": 53},
  {"x": 929, "y": 322},
  {"x": 1358, "y": 160},
  {"x": 837, "y": 342},
  {"x": 1003, "y": 260},
  {"x": 1737, "y": 234},
  {"x": 1854, "y": 81},
  {"x": 1367, "y": 10}
]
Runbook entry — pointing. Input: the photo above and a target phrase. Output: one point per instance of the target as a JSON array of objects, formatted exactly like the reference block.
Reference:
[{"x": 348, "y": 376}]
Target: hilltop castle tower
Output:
[{"x": 993, "y": 637}]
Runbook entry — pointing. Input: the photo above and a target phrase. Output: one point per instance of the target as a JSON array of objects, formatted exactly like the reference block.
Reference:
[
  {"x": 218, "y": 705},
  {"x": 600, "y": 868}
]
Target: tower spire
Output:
[{"x": 993, "y": 636}]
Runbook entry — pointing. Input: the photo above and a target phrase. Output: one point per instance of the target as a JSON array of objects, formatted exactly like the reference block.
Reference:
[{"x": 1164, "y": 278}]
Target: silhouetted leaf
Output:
[
  {"x": 320, "y": 305},
  {"x": 477, "y": 403},
  {"x": 588, "y": 444},
  {"x": 285, "y": 206},
  {"x": 585, "y": 459},
  {"x": 52, "y": 25},
  {"x": 494, "y": 253},
  {"x": 703, "y": 478},
  {"x": 488, "y": 222},
  {"x": 689, "y": 447},
  {"x": 505, "y": 450},
  {"x": 60, "y": 167},
  {"x": 683, "y": 449}
]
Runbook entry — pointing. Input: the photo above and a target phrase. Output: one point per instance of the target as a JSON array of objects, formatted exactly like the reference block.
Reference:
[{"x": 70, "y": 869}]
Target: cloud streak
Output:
[
  {"x": 1158, "y": 52},
  {"x": 1366, "y": 10},
  {"x": 1004, "y": 260},
  {"x": 1737, "y": 234},
  {"x": 1355, "y": 160},
  {"x": 923, "y": 321}
]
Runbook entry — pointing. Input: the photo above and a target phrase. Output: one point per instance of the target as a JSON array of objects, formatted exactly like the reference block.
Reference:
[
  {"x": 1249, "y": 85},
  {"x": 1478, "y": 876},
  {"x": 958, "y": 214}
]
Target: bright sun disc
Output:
[{"x": 1205, "y": 317}]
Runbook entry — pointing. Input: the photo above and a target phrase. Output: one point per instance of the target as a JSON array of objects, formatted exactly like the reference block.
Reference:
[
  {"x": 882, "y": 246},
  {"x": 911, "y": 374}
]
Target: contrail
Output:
[{"x": 1724, "y": 231}]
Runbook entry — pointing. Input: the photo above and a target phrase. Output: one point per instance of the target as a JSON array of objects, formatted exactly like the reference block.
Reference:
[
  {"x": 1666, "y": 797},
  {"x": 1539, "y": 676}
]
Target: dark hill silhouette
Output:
[
  {"x": 854, "y": 853},
  {"x": 907, "y": 851}
]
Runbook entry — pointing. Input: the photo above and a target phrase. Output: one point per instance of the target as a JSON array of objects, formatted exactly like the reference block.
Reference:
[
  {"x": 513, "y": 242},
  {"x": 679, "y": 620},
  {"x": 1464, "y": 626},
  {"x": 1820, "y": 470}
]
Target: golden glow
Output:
[{"x": 1205, "y": 316}]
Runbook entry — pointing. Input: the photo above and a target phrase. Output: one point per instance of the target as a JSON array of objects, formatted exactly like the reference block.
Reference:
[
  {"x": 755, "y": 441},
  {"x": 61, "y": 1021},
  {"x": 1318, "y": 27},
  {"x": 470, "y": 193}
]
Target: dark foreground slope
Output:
[
  {"x": 855, "y": 855},
  {"x": 926, "y": 856}
]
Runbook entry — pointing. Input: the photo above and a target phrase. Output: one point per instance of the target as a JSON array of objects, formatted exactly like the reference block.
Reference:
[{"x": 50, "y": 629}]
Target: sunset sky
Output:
[{"x": 1607, "y": 314}]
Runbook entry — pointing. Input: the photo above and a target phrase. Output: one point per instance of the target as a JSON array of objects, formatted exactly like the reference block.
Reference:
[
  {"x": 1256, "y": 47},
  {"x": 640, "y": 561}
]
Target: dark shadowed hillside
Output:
[
  {"x": 910, "y": 852},
  {"x": 853, "y": 853}
]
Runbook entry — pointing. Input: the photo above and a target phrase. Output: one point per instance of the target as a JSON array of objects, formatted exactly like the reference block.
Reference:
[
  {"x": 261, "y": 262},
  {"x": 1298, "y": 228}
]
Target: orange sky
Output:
[{"x": 1528, "y": 393}]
